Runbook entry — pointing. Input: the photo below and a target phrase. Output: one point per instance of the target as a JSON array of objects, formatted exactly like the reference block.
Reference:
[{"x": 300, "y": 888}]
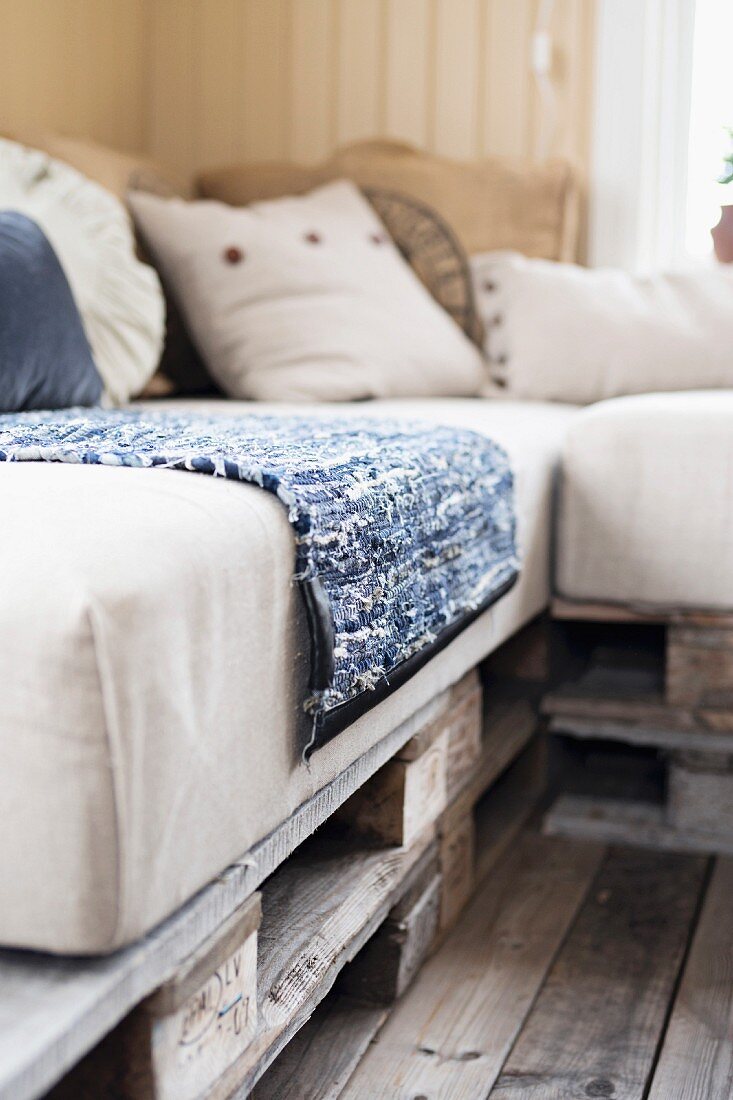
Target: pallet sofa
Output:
[
  {"x": 150, "y": 793},
  {"x": 180, "y": 891}
]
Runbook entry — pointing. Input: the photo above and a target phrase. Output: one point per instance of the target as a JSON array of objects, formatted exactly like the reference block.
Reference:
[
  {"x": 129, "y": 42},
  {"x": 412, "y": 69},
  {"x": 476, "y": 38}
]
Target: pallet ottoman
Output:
[{"x": 644, "y": 550}]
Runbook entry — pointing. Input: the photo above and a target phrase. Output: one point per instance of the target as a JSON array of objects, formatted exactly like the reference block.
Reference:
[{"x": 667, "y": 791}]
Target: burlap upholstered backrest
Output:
[{"x": 490, "y": 204}]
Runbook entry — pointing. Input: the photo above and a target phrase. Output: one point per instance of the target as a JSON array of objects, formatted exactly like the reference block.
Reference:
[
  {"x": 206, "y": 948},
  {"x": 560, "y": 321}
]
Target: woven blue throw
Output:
[{"x": 404, "y": 531}]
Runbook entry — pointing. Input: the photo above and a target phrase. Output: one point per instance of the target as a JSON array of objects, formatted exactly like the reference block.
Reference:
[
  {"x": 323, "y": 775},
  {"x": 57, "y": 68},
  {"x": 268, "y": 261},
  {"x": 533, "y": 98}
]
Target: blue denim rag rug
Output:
[{"x": 404, "y": 531}]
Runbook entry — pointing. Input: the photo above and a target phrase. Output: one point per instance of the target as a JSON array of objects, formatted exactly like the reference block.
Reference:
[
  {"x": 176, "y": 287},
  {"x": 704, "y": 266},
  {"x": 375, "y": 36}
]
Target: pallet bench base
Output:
[
  {"x": 613, "y": 821},
  {"x": 322, "y": 1057},
  {"x": 178, "y": 1042},
  {"x": 672, "y": 695},
  {"x": 376, "y": 886}
]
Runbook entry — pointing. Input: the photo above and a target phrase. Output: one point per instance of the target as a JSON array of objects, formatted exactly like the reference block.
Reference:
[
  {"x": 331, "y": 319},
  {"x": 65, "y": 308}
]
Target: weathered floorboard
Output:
[
  {"x": 596, "y": 1024},
  {"x": 696, "y": 1062},
  {"x": 450, "y": 1034}
]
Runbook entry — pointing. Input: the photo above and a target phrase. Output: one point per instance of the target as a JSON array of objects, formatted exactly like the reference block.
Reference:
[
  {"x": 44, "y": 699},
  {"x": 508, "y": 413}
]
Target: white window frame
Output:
[{"x": 641, "y": 110}]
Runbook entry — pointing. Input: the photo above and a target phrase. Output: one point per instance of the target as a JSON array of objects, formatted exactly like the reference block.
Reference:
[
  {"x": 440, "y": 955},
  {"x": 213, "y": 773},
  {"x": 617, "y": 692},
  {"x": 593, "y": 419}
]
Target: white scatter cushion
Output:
[
  {"x": 305, "y": 299},
  {"x": 560, "y": 332},
  {"x": 119, "y": 298}
]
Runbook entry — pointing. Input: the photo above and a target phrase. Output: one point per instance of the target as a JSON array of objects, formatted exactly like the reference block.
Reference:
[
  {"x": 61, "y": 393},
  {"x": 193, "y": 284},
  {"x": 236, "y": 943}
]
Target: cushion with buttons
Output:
[
  {"x": 560, "y": 332},
  {"x": 305, "y": 298}
]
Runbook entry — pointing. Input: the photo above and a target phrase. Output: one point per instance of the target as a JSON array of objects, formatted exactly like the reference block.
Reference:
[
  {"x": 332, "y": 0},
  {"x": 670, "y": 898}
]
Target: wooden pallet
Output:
[
  {"x": 376, "y": 882},
  {"x": 319, "y": 1061},
  {"x": 318, "y": 910},
  {"x": 53, "y": 1010},
  {"x": 673, "y": 695}
]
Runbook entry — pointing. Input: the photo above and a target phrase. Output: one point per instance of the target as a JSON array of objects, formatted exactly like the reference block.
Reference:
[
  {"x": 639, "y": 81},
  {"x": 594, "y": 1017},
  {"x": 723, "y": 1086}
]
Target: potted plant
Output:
[{"x": 723, "y": 232}]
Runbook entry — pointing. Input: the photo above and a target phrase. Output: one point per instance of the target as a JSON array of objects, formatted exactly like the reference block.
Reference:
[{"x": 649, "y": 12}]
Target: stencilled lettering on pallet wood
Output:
[
  {"x": 178, "y": 1042},
  {"x": 192, "y": 1046}
]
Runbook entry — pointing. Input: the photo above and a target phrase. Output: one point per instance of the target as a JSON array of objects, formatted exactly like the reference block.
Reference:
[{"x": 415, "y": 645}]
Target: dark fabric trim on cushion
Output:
[{"x": 335, "y": 721}]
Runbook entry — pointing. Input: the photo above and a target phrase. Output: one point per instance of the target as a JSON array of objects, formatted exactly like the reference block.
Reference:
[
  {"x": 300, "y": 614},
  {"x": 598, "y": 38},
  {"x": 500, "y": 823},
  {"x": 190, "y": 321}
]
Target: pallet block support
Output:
[{"x": 179, "y": 1041}]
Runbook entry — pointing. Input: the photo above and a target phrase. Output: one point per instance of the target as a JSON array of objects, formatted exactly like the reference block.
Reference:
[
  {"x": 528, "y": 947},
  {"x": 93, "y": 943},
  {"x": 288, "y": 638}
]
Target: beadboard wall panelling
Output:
[
  {"x": 249, "y": 80},
  {"x": 75, "y": 67},
  {"x": 359, "y": 41},
  {"x": 507, "y": 85},
  {"x": 408, "y": 85},
  {"x": 459, "y": 46},
  {"x": 204, "y": 82},
  {"x": 176, "y": 75},
  {"x": 314, "y": 80},
  {"x": 573, "y": 27}
]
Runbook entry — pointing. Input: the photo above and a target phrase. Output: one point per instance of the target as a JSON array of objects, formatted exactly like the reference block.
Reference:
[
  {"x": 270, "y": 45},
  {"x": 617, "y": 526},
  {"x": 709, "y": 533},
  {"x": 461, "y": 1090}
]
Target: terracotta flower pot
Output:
[{"x": 722, "y": 235}]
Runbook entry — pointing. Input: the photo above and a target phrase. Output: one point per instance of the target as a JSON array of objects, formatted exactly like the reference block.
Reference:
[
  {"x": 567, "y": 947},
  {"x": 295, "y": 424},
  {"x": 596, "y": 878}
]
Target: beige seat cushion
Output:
[
  {"x": 153, "y": 653},
  {"x": 490, "y": 204},
  {"x": 646, "y": 502}
]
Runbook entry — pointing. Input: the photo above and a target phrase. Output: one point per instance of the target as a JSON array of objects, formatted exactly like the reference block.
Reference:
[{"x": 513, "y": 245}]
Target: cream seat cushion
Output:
[
  {"x": 153, "y": 653},
  {"x": 646, "y": 502}
]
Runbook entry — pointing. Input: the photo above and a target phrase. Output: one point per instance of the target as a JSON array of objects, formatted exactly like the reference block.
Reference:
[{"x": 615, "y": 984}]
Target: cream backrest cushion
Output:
[{"x": 559, "y": 332}]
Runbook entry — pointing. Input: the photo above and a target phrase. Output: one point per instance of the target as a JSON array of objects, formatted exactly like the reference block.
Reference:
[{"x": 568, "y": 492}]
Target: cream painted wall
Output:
[
  {"x": 75, "y": 66},
  {"x": 255, "y": 79},
  {"x": 204, "y": 82}
]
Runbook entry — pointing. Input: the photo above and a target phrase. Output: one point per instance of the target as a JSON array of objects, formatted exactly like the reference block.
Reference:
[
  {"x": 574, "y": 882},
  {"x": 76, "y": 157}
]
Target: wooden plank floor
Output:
[{"x": 577, "y": 971}]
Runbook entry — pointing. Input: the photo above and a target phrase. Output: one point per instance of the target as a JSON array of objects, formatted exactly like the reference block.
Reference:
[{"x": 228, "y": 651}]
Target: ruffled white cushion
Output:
[{"x": 119, "y": 298}]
